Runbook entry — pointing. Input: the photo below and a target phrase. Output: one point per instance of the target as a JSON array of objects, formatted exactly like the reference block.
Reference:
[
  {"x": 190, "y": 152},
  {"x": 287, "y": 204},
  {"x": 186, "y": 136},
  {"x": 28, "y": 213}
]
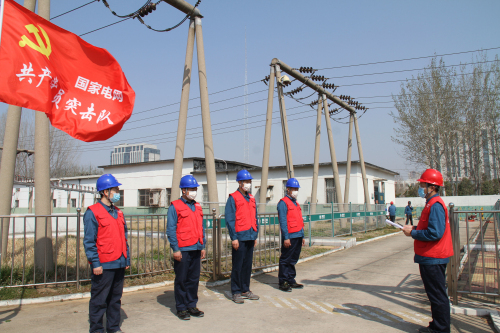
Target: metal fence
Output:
[
  {"x": 149, "y": 248},
  {"x": 474, "y": 268}
]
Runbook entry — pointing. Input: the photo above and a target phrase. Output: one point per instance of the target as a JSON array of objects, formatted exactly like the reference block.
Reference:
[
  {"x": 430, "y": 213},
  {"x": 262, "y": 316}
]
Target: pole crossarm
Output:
[
  {"x": 185, "y": 7},
  {"x": 287, "y": 69}
]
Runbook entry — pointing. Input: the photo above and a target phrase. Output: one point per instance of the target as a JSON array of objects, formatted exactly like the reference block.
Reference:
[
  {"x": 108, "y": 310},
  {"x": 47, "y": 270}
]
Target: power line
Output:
[
  {"x": 106, "y": 26},
  {"x": 408, "y": 59},
  {"x": 173, "y": 138},
  {"x": 69, "y": 11}
]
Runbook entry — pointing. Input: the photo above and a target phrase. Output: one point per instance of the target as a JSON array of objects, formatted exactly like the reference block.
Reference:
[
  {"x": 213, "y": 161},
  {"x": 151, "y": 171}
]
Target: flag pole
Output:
[{"x": 2, "y": 5}]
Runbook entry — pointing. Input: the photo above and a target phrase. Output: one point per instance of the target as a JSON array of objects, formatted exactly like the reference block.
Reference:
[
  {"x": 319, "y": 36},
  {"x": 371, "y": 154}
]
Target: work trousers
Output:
[
  {"x": 434, "y": 278},
  {"x": 187, "y": 278},
  {"x": 105, "y": 297},
  {"x": 392, "y": 218},
  {"x": 242, "y": 267},
  {"x": 288, "y": 259},
  {"x": 409, "y": 217}
]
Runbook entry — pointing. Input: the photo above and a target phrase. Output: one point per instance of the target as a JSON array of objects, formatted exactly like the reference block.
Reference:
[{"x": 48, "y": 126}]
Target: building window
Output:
[
  {"x": 331, "y": 195},
  {"x": 16, "y": 203},
  {"x": 73, "y": 203},
  {"x": 144, "y": 197},
  {"x": 205, "y": 193},
  {"x": 120, "y": 203},
  {"x": 168, "y": 198},
  {"x": 54, "y": 202}
]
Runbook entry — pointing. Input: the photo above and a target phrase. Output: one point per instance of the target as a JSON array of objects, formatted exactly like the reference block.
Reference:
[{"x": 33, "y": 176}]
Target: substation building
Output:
[{"x": 147, "y": 185}]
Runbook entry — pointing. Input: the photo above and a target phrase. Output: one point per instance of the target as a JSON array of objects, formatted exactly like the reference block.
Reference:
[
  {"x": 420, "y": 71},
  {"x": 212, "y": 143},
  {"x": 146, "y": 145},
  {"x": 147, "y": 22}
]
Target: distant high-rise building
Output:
[{"x": 126, "y": 154}]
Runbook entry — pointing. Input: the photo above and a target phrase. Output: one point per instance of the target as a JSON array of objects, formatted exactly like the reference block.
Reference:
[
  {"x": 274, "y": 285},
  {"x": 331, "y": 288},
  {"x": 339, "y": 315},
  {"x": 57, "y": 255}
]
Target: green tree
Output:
[
  {"x": 466, "y": 187},
  {"x": 412, "y": 191}
]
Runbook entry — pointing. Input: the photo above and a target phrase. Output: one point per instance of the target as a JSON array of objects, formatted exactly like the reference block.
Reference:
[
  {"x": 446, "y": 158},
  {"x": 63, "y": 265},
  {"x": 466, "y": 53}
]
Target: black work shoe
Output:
[
  {"x": 285, "y": 286},
  {"x": 195, "y": 312},
  {"x": 296, "y": 285},
  {"x": 426, "y": 329},
  {"x": 183, "y": 315}
]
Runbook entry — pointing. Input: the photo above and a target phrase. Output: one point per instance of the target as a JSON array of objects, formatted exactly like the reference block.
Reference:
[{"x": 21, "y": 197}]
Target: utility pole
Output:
[
  {"x": 267, "y": 144},
  {"x": 348, "y": 166},
  {"x": 314, "y": 193},
  {"x": 183, "y": 112},
  {"x": 284, "y": 125},
  {"x": 361, "y": 160},
  {"x": 8, "y": 164},
  {"x": 335, "y": 167},
  {"x": 43, "y": 204},
  {"x": 295, "y": 74},
  {"x": 188, "y": 9},
  {"x": 205, "y": 118}
]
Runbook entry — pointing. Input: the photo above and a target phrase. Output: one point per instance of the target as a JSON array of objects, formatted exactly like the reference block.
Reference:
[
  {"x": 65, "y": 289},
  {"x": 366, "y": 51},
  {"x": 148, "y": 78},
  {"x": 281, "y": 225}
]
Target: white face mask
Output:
[
  {"x": 246, "y": 186},
  {"x": 191, "y": 195},
  {"x": 294, "y": 194}
]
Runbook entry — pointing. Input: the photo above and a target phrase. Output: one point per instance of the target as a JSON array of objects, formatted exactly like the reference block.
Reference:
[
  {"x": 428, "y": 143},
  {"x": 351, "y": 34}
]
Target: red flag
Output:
[{"x": 80, "y": 87}]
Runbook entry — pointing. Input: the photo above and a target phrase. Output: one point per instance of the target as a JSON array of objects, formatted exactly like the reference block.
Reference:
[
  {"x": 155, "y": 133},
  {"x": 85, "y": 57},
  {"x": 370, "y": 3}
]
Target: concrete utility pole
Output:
[
  {"x": 43, "y": 204},
  {"x": 8, "y": 164},
  {"x": 205, "y": 118},
  {"x": 267, "y": 143},
  {"x": 183, "y": 112},
  {"x": 295, "y": 74},
  {"x": 335, "y": 167},
  {"x": 314, "y": 193},
  {"x": 348, "y": 166},
  {"x": 284, "y": 125},
  {"x": 361, "y": 160},
  {"x": 205, "y": 106}
]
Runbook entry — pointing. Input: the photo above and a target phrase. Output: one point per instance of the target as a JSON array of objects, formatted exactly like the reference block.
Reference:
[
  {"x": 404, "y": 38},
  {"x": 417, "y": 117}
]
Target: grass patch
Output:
[{"x": 375, "y": 233}]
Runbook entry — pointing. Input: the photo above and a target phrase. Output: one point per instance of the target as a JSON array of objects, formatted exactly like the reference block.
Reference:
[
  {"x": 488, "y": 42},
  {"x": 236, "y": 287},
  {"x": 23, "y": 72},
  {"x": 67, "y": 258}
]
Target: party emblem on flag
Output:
[{"x": 80, "y": 87}]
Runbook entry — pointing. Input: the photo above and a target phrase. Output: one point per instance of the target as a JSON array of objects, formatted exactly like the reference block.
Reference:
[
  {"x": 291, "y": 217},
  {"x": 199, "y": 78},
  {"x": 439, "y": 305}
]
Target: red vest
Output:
[
  {"x": 294, "y": 219},
  {"x": 189, "y": 223},
  {"x": 111, "y": 242},
  {"x": 442, "y": 248},
  {"x": 245, "y": 212}
]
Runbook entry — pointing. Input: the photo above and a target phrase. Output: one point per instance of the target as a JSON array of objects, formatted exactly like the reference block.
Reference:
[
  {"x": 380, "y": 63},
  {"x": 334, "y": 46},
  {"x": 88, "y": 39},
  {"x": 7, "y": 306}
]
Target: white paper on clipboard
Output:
[{"x": 393, "y": 224}]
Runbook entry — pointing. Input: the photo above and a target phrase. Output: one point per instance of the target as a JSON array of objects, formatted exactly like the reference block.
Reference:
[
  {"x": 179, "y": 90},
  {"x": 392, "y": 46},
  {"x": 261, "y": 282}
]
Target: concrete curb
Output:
[
  {"x": 494, "y": 315},
  {"x": 62, "y": 298},
  {"x": 377, "y": 238}
]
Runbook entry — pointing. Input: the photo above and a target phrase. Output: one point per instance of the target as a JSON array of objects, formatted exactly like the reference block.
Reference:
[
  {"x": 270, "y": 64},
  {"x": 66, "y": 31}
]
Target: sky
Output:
[{"x": 359, "y": 41}]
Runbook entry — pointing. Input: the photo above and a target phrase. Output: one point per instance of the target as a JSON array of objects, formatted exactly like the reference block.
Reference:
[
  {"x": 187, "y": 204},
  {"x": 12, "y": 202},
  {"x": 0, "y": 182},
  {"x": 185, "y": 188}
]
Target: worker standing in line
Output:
[
  {"x": 242, "y": 226},
  {"x": 392, "y": 212},
  {"x": 292, "y": 236},
  {"x": 408, "y": 213},
  {"x": 186, "y": 235},
  {"x": 433, "y": 248},
  {"x": 105, "y": 244}
]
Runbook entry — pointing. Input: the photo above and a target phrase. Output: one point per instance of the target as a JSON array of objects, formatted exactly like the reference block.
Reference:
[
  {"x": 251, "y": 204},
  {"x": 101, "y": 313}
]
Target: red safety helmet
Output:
[
  {"x": 392, "y": 202},
  {"x": 432, "y": 177}
]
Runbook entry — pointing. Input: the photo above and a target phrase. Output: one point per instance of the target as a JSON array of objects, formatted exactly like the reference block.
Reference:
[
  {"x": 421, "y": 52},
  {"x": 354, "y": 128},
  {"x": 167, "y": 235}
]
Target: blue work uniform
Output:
[
  {"x": 433, "y": 270},
  {"x": 107, "y": 288},
  {"x": 187, "y": 271},
  {"x": 242, "y": 258},
  {"x": 289, "y": 256}
]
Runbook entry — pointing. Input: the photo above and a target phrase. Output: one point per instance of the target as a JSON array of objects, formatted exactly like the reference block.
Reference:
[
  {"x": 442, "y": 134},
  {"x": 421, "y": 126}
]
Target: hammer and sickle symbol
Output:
[{"x": 45, "y": 49}]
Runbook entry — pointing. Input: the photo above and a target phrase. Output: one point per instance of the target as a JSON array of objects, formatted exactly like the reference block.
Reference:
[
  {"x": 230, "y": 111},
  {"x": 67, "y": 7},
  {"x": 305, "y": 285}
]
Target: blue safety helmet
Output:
[
  {"x": 188, "y": 182},
  {"x": 106, "y": 181},
  {"x": 243, "y": 175},
  {"x": 292, "y": 182}
]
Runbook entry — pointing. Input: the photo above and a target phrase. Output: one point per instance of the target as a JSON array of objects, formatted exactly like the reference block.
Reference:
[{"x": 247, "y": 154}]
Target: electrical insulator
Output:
[
  {"x": 147, "y": 9},
  {"x": 306, "y": 69}
]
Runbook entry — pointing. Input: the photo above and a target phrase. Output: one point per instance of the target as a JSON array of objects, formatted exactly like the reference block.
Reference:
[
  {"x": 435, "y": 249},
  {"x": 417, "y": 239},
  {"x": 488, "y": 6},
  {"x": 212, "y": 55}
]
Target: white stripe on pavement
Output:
[
  {"x": 303, "y": 305},
  {"x": 276, "y": 304}
]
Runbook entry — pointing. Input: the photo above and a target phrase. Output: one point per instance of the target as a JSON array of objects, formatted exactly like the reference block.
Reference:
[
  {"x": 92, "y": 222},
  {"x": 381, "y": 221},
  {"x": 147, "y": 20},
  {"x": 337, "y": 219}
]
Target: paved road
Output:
[{"x": 374, "y": 287}]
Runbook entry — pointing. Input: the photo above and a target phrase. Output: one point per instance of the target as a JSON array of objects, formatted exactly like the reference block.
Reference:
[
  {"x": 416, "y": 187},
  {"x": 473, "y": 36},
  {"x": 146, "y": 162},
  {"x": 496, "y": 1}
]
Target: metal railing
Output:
[
  {"x": 474, "y": 269},
  {"x": 64, "y": 260}
]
